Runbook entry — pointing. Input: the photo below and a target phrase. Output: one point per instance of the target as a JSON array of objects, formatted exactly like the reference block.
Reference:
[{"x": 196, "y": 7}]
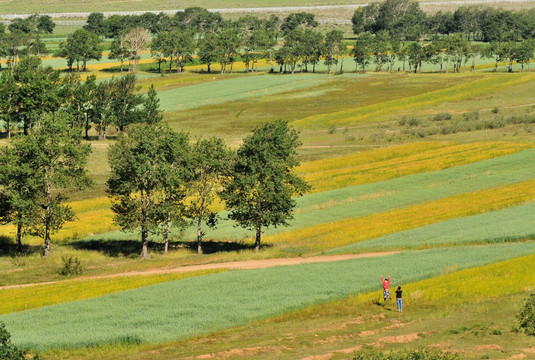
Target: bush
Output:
[
  {"x": 495, "y": 110},
  {"x": 8, "y": 351},
  {"x": 470, "y": 116},
  {"x": 442, "y": 116},
  {"x": 71, "y": 266},
  {"x": 369, "y": 353},
  {"x": 526, "y": 316}
]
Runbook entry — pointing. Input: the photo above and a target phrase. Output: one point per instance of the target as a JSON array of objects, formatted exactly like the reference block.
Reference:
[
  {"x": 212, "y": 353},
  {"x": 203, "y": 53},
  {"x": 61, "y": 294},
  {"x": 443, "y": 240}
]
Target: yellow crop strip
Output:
[
  {"x": 479, "y": 86},
  {"x": 31, "y": 297},
  {"x": 348, "y": 231},
  {"x": 397, "y": 161},
  {"x": 503, "y": 278}
]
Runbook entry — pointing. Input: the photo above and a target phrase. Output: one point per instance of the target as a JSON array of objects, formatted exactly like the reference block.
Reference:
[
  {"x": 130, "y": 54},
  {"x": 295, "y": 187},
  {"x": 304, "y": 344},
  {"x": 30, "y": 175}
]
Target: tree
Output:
[
  {"x": 362, "y": 50},
  {"x": 143, "y": 165},
  {"x": 9, "y": 98},
  {"x": 295, "y": 20},
  {"x": 123, "y": 101},
  {"x": 38, "y": 92},
  {"x": 210, "y": 166},
  {"x": 259, "y": 192},
  {"x": 80, "y": 46},
  {"x": 119, "y": 49},
  {"x": 365, "y": 17},
  {"x": 137, "y": 39},
  {"x": 18, "y": 195},
  {"x": 151, "y": 107},
  {"x": 95, "y": 23},
  {"x": 334, "y": 47},
  {"x": 208, "y": 50},
  {"x": 56, "y": 158}
]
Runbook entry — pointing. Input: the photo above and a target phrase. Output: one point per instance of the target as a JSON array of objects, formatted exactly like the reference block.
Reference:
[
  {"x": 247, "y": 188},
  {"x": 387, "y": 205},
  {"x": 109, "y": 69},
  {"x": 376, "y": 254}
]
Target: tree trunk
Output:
[
  {"x": 19, "y": 236},
  {"x": 199, "y": 236},
  {"x": 166, "y": 234},
  {"x": 144, "y": 243},
  {"x": 257, "y": 241},
  {"x": 46, "y": 250}
]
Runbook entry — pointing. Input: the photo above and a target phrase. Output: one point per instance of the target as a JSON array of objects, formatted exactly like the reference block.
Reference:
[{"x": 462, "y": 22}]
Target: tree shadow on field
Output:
[
  {"x": 212, "y": 247},
  {"x": 9, "y": 248},
  {"x": 110, "y": 247},
  {"x": 116, "y": 248}
]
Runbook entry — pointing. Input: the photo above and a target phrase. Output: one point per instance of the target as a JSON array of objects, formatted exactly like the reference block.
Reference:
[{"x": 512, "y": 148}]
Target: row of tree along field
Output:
[
  {"x": 382, "y": 30},
  {"x": 158, "y": 178}
]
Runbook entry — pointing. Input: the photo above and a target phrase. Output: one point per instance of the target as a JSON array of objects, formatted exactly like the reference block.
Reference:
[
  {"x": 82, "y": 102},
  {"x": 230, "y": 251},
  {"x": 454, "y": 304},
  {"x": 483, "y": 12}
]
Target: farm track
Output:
[{"x": 235, "y": 265}]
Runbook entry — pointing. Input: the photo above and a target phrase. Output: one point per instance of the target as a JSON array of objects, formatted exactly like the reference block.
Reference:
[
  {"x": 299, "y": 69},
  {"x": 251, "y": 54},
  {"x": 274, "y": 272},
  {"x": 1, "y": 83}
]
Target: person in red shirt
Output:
[{"x": 386, "y": 291}]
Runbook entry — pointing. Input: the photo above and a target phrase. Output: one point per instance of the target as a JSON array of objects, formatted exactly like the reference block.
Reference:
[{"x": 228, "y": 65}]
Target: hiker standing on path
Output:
[
  {"x": 398, "y": 299},
  {"x": 386, "y": 284}
]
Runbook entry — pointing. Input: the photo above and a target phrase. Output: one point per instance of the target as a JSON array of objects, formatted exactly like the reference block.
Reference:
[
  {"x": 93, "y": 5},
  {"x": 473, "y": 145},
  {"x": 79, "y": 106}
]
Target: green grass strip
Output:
[
  {"x": 510, "y": 224},
  {"x": 25, "y": 298},
  {"x": 199, "y": 305},
  {"x": 235, "y": 88}
]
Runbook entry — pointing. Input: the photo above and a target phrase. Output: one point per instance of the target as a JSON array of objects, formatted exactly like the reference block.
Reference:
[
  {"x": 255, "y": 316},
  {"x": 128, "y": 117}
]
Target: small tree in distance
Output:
[{"x": 260, "y": 190}]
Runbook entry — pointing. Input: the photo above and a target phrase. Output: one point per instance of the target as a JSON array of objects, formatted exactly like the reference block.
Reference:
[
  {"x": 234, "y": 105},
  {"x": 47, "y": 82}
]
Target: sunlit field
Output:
[{"x": 429, "y": 177}]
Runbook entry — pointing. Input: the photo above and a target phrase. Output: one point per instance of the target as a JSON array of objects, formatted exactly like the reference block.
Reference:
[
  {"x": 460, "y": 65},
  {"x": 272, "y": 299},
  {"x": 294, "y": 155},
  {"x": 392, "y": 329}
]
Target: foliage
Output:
[
  {"x": 71, "y": 266},
  {"x": 370, "y": 353},
  {"x": 147, "y": 177},
  {"x": 526, "y": 315},
  {"x": 52, "y": 157},
  {"x": 259, "y": 193},
  {"x": 8, "y": 351}
]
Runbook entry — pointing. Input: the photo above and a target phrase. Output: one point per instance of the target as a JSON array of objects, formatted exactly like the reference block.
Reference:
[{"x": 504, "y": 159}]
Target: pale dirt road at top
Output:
[{"x": 235, "y": 265}]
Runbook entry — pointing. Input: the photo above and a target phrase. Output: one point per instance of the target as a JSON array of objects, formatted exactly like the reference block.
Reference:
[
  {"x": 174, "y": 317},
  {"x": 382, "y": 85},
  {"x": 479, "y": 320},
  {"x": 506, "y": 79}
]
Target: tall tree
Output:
[
  {"x": 124, "y": 101},
  {"x": 56, "y": 158},
  {"x": 261, "y": 189},
  {"x": 137, "y": 39},
  {"x": 210, "y": 166},
  {"x": 9, "y": 98},
  {"x": 334, "y": 47},
  {"x": 119, "y": 49},
  {"x": 142, "y": 166}
]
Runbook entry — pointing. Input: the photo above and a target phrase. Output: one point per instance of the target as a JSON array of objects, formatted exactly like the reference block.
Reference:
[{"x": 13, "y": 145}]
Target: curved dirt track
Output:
[{"x": 235, "y": 265}]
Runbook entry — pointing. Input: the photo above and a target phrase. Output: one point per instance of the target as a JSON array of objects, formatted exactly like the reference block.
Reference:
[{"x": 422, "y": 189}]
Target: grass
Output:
[
  {"x": 472, "y": 89},
  {"x": 209, "y": 303},
  {"x": 25, "y": 298},
  {"x": 509, "y": 224}
]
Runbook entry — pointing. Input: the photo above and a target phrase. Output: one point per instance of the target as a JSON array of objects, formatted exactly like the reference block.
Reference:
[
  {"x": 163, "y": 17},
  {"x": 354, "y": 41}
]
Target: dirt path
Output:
[{"x": 235, "y": 265}]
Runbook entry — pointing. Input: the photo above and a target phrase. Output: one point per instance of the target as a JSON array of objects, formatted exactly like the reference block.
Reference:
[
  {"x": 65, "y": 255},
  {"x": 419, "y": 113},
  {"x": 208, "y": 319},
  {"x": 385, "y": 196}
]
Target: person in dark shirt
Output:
[{"x": 398, "y": 299}]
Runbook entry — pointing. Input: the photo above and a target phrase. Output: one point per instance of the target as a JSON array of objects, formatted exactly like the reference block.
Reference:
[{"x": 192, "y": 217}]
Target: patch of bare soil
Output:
[
  {"x": 235, "y": 265},
  {"x": 327, "y": 356},
  {"x": 488, "y": 347},
  {"x": 400, "y": 339},
  {"x": 245, "y": 352}
]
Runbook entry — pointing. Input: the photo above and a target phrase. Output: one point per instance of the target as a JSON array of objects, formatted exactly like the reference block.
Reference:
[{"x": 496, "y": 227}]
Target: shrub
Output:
[
  {"x": 71, "y": 266},
  {"x": 495, "y": 110},
  {"x": 526, "y": 316},
  {"x": 369, "y": 353},
  {"x": 8, "y": 351},
  {"x": 472, "y": 115},
  {"x": 332, "y": 129},
  {"x": 442, "y": 116}
]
